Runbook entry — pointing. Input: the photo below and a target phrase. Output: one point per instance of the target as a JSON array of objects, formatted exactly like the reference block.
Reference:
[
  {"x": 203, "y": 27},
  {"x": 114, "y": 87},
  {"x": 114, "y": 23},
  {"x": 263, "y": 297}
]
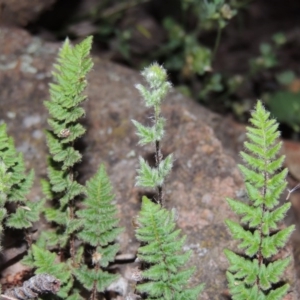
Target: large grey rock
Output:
[{"x": 203, "y": 174}]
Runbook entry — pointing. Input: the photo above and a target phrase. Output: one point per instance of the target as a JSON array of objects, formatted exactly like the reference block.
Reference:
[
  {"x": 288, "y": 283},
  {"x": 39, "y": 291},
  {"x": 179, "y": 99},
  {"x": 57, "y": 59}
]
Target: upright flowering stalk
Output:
[
  {"x": 163, "y": 274},
  {"x": 158, "y": 87}
]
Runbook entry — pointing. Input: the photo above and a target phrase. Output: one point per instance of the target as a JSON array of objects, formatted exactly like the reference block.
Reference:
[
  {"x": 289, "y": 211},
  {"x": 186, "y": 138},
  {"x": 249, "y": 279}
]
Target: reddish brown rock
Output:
[
  {"x": 203, "y": 174},
  {"x": 20, "y": 12}
]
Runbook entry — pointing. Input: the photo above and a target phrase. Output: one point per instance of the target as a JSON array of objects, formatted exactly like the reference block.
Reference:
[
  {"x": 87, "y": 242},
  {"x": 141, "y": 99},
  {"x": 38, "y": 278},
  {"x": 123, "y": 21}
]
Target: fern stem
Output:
[
  {"x": 94, "y": 290},
  {"x": 71, "y": 215},
  {"x": 28, "y": 238},
  {"x": 264, "y": 192},
  {"x": 72, "y": 238}
]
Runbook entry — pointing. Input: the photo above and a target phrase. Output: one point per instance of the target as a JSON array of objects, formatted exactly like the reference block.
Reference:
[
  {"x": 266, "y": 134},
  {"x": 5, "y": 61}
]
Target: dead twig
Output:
[{"x": 32, "y": 288}]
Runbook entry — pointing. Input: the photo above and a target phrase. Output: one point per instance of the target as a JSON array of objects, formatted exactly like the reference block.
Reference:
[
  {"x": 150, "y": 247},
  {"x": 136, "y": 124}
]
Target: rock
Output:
[
  {"x": 292, "y": 161},
  {"x": 15, "y": 12},
  {"x": 203, "y": 174}
]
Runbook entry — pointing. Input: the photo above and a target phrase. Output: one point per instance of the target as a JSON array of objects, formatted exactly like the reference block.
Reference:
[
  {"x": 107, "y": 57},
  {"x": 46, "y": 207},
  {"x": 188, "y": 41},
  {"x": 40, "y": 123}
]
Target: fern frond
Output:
[
  {"x": 4, "y": 188},
  {"x": 256, "y": 276},
  {"x": 100, "y": 229},
  {"x": 45, "y": 262},
  {"x": 66, "y": 95},
  {"x": 100, "y": 224},
  {"x": 162, "y": 251},
  {"x": 24, "y": 212}
]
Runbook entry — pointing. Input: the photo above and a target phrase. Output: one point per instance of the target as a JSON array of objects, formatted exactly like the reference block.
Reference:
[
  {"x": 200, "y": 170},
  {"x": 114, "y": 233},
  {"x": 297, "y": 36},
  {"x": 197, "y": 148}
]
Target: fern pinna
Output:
[
  {"x": 162, "y": 252},
  {"x": 255, "y": 274}
]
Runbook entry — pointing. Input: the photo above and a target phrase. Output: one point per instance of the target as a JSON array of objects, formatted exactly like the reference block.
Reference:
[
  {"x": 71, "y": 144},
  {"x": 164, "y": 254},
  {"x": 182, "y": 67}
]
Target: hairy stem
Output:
[{"x": 158, "y": 158}]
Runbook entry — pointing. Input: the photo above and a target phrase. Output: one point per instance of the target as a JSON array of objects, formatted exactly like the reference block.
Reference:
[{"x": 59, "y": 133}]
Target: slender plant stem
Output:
[
  {"x": 118, "y": 8},
  {"x": 158, "y": 158},
  {"x": 72, "y": 208},
  {"x": 94, "y": 290},
  {"x": 28, "y": 238},
  {"x": 72, "y": 238},
  {"x": 217, "y": 43},
  {"x": 259, "y": 254}
]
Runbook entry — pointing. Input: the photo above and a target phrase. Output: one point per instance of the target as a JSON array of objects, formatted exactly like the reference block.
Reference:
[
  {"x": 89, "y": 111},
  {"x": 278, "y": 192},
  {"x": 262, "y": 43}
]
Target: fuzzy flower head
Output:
[{"x": 156, "y": 77}]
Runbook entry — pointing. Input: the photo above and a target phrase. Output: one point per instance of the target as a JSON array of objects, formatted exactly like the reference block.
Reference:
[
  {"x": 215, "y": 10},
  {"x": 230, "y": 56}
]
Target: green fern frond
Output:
[
  {"x": 46, "y": 262},
  {"x": 4, "y": 189},
  {"x": 20, "y": 182},
  {"x": 257, "y": 274},
  {"x": 99, "y": 214},
  {"x": 99, "y": 229},
  {"x": 162, "y": 251},
  {"x": 62, "y": 188},
  {"x": 24, "y": 212},
  {"x": 91, "y": 278},
  {"x": 66, "y": 94}
]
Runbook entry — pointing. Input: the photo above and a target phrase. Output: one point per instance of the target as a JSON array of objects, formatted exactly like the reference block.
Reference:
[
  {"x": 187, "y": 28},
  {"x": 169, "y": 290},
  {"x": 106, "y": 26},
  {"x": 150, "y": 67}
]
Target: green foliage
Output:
[
  {"x": 94, "y": 279},
  {"x": 162, "y": 252},
  {"x": 18, "y": 184},
  {"x": 266, "y": 60},
  {"x": 47, "y": 262},
  {"x": 4, "y": 189},
  {"x": 268, "y": 54},
  {"x": 100, "y": 224},
  {"x": 256, "y": 274},
  {"x": 151, "y": 177},
  {"x": 156, "y": 78},
  {"x": 100, "y": 230},
  {"x": 4, "y": 183},
  {"x": 288, "y": 114},
  {"x": 216, "y": 10},
  {"x": 66, "y": 95},
  {"x": 183, "y": 51},
  {"x": 95, "y": 225}
]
